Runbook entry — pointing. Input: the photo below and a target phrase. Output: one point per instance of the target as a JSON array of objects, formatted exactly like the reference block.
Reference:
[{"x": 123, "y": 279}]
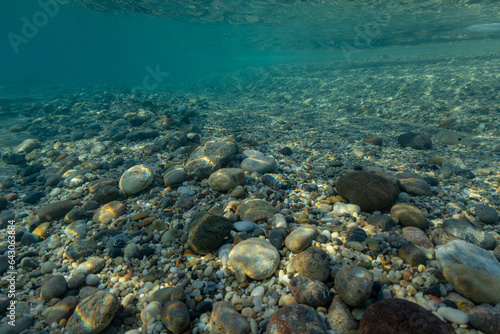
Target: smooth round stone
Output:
[
  {"x": 169, "y": 236},
  {"x": 92, "y": 280},
  {"x": 55, "y": 192},
  {"x": 47, "y": 267},
  {"x": 468, "y": 232},
  {"x": 383, "y": 222},
  {"x": 486, "y": 214},
  {"x": 174, "y": 175},
  {"x": 256, "y": 257},
  {"x": 81, "y": 248},
  {"x": 245, "y": 226},
  {"x": 417, "y": 237},
  {"x": 62, "y": 309},
  {"x": 136, "y": 179},
  {"x": 257, "y": 162},
  {"x": 462, "y": 252},
  {"x": 486, "y": 318},
  {"x": 453, "y": 315},
  {"x": 301, "y": 238},
  {"x": 412, "y": 255},
  {"x": 209, "y": 157},
  {"x": 223, "y": 253},
  {"x": 409, "y": 215},
  {"x": 185, "y": 191},
  {"x": 474, "y": 284},
  {"x": 76, "y": 230},
  {"x": 309, "y": 291},
  {"x": 441, "y": 237},
  {"x": 226, "y": 178},
  {"x": 55, "y": 210},
  {"x": 167, "y": 294},
  {"x": 207, "y": 232},
  {"x": 93, "y": 314},
  {"x": 106, "y": 193},
  {"x": 358, "y": 235},
  {"x": 252, "y": 208},
  {"x": 226, "y": 320},
  {"x": 341, "y": 209},
  {"x": 131, "y": 251},
  {"x": 27, "y": 146},
  {"x": 354, "y": 285},
  {"x": 278, "y": 220},
  {"x": 91, "y": 266},
  {"x": 53, "y": 287},
  {"x": 150, "y": 314},
  {"x": 417, "y": 141},
  {"x": 416, "y": 186},
  {"x": 339, "y": 316},
  {"x": 111, "y": 210},
  {"x": 175, "y": 316},
  {"x": 296, "y": 318},
  {"x": 313, "y": 262}
]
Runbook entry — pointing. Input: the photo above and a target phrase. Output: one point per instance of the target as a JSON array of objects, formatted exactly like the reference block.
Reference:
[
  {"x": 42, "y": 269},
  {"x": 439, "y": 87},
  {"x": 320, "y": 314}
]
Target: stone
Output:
[
  {"x": 301, "y": 238},
  {"x": 468, "y": 232},
  {"x": 81, "y": 248},
  {"x": 175, "y": 316},
  {"x": 486, "y": 214},
  {"x": 76, "y": 230},
  {"x": 358, "y": 235},
  {"x": 455, "y": 166},
  {"x": 93, "y": 314},
  {"x": 54, "y": 286},
  {"x": 164, "y": 295},
  {"x": 341, "y": 209},
  {"x": 354, "y": 285},
  {"x": 415, "y": 186},
  {"x": 33, "y": 197},
  {"x": 142, "y": 134},
  {"x": 370, "y": 190},
  {"x": 340, "y": 318},
  {"x": 441, "y": 237},
  {"x": 275, "y": 180},
  {"x": 150, "y": 313},
  {"x": 47, "y": 267},
  {"x": 296, "y": 318},
  {"x": 111, "y": 210},
  {"x": 253, "y": 208},
  {"x": 12, "y": 158},
  {"x": 412, "y": 255},
  {"x": 209, "y": 157},
  {"x": 256, "y": 257},
  {"x": 417, "y": 237},
  {"x": 309, "y": 291},
  {"x": 106, "y": 193},
  {"x": 62, "y": 310},
  {"x": 277, "y": 237},
  {"x": 453, "y": 315},
  {"x": 474, "y": 284},
  {"x": 313, "y": 262},
  {"x": 396, "y": 316},
  {"x": 91, "y": 266},
  {"x": 409, "y": 215},
  {"x": 136, "y": 179},
  {"x": 226, "y": 179},
  {"x": 74, "y": 214},
  {"x": 226, "y": 320},
  {"x": 383, "y": 222},
  {"x": 377, "y": 141},
  {"x": 27, "y": 146},
  {"x": 257, "y": 162},
  {"x": 207, "y": 232},
  {"x": 462, "y": 252},
  {"x": 174, "y": 175},
  {"x": 245, "y": 226},
  {"x": 486, "y": 318},
  {"x": 417, "y": 141},
  {"x": 55, "y": 210}
]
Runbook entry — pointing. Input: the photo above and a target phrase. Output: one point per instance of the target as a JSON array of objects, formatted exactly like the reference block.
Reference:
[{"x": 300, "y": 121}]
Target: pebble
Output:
[
  {"x": 111, "y": 210},
  {"x": 310, "y": 291},
  {"x": 486, "y": 214},
  {"x": 175, "y": 316},
  {"x": 209, "y": 157},
  {"x": 296, "y": 318},
  {"x": 174, "y": 175},
  {"x": 341, "y": 209},
  {"x": 412, "y": 255},
  {"x": 468, "y": 232},
  {"x": 486, "y": 318},
  {"x": 409, "y": 215},
  {"x": 226, "y": 178},
  {"x": 54, "y": 286},
  {"x": 206, "y": 232},
  {"x": 136, "y": 179},
  {"x": 453, "y": 315},
  {"x": 256, "y": 257},
  {"x": 383, "y": 222},
  {"x": 253, "y": 208},
  {"x": 245, "y": 226},
  {"x": 47, "y": 267},
  {"x": 415, "y": 186},
  {"x": 76, "y": 230},
  {"x": 226, "y": 320},
  {"x": 417, "y": 237},
  {"x": 150, "y": 314},
  {"x": 354, "y": 285},
  {"x": 313, "y": 262},
  {"x": 91, "y": 266},
  {"x": 63, "y": 309},
  {"x": 93, "y": 314},
  {"x": 417, "y": 141},
  {"x": 339, "y": 317},
  {"x": 55, "y": 210},
  {"x": 301, "y": 238},
  {"x": 257, "y": 162},
  {"x": 278, "y": 220}
]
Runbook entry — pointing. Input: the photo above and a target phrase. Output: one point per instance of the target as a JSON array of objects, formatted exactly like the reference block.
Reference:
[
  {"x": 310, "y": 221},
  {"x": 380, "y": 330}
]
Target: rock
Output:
[
  {"x": 20, "y": 325},
  {"x": 486, "y": 318},
  {"x": 441, "y": 237},
  {"x": 93, "y": 314},
  {"x": 474, "y": 284},
  {"x": 256, "y": 257},
  {"x": 341, "y": 209},
  {"x": 417, "y": 141},
  {"x": 106, "y": 193},
  {"x": 53, "y": 287},
  {"x": 174, "y": 175},
  {"x": 383, "y": 222},
  {"x": 226, "y": 320},
  {"x": 253, "y": 208},
  {"x": 301, "y": 238},
  {"x": 412, "y": 255},
  {"x": 111, "y": 210},
  {"x": 354, "y": 285},
  {"x": 47, "y": 267},
  {"x": 275, "y": 180},
  {"x": 210, "y": 157},
  {"x": 277, "y": 237},
  {"x": 80, "y": 248},
  {"x": 415, "y": 186},
  {"x": 206, "y": 232},
  {"x": 150, "y": 313},
  {"x": 55, "y": 210},
  {"x": 62, "y": 310},
  {"x": 27, "y": 146},
  {"x": 455, "y": 166},
  {"x": 340, "y": 318},
  {"x": 486, "y": 214},
  {"x": 91, "y": 266},
  {"x": 453, "y": 315},
  {"x": 257, "y": 162},
  {"x": 175, "y": 316},
  {"x": 369, "y": 190},
  {"x": 417, "y": 237},
  {"x": 313, "y": 262},
  {"x": 309, "y": 291},
  {"x": 33, "y": 197},
  {"x": 226, "y": 178},
  {"x": 468, "y": 232},
  {"x": 74, "y": 214},
  {"x": 377, "y": 141},
  {"x": 396, "y": 316},
  {"x": 12, "y": 158},
  {"x": 296, "y": 318},
  {"x": 358, "y": 235},
  {"x": 285, "y": 151},
  {"x": 245, "y": 226},
  {"x": 142, "y": 134},
  {"x": 136, "y": 179},
  {"x": 409, "y": 215},
  {"x": 76, "y": 230},
  {"x": 164, "y": 295},
  {"x": 462, "y": 252}
]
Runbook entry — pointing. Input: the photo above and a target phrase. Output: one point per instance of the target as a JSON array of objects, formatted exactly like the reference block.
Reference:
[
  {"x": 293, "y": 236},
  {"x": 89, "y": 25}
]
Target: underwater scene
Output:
[{"x": 258, "y": 166}]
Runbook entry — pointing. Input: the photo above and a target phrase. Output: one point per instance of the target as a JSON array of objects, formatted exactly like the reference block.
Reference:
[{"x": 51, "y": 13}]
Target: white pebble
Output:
[
  {"x": 454, "y": 315},
  {"x": 258, "y": 291},
  {"x": 92, "y": 279}
]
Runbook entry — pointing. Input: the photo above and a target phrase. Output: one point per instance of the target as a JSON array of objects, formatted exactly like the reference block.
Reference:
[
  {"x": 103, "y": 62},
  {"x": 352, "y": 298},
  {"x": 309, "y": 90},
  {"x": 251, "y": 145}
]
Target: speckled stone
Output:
[
  {"x": 150, "y": 313},
  {"x": 310, "y": 291},
  {"x": 256, "y": 257},
  {"x": 313, "y": 262},
  {"x": 486, "y": 318},
  {"x": 226, "y": 320},
  {"x": 417, "y": 237},
  {"x": 175, "y": 316},
  {"x": 441, "y": 237},
  {"x": 53, "y": 287},
  {"x": 339, "y": 317},
  {"x": 409, "y": 215},
  {"x": 354, "y": 285},
  {"x": 207, "y": 232},
  {"x": 301, "y": 238},
  {"x": 468, "y": 232},
  {"x": 296, "y": 318}
]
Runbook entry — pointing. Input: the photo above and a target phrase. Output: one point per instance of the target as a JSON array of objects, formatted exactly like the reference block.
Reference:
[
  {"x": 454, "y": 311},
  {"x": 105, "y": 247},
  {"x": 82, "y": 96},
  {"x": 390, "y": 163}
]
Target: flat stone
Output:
[
  {"x": 226, "y": 320},
  {"x": 417, "y": 237},
  {"x": 136, "y": 179},
  {"x": 91, "y": 266},
  {"x": 417, "y": 141},
  {"x": 383, "y": 222},
  {"x": 468, "y": 232},
  {"x": 252, "y": 208},
  {"x": 396, "y": 316},
  {"x": 301, "y": 238},
  {"x": 76, "y": 230},
  {"x": 313, "y": 262},
  {"x": 474, "y": 284},
  {"x": 486, "y": 318},
  {"x": 309, "y": 291},
  {"x": 409, "y": 215},
  {"x": 27, "y": 146},
  {"x": 296, "y": 318},
  {"x": 415, "y": 186},
  {"x": 175, "y": 316},
  {"x": 174, "y": 175},
  {"x": 340, "y": 318},
  {"x": 354, "y": 285},
  {"x": 55, "y": 210},
  {"x": 245, "y": 226},
  {"x": 207, "y": 232},
  {"x": 341, "y": 209},
  {"x": 111, "y": 210},
  {"x": 256, "y": 257},
  {"x": 106, "y": 193},
  {"x": 257, "y": 162},
  {"x": 62, "y": 310},
  {"x": 142, "y": 134},
  {"x": 54, "y": 286},
  {"x": 226, "y": 178},
  {"x": 486, "y": 214},
  {"x": 453, "y": 315},
  {"x": 93, "y": 314}
]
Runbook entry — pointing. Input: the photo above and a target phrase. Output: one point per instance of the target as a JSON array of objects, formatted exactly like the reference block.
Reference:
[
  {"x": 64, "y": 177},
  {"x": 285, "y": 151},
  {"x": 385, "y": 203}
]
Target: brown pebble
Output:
[
  {"x": 140, "y": 215},
  {"x": 407, "y": 275},
  {"x": 11, "y": 196},
  {"x": 146, "y": 222}
]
